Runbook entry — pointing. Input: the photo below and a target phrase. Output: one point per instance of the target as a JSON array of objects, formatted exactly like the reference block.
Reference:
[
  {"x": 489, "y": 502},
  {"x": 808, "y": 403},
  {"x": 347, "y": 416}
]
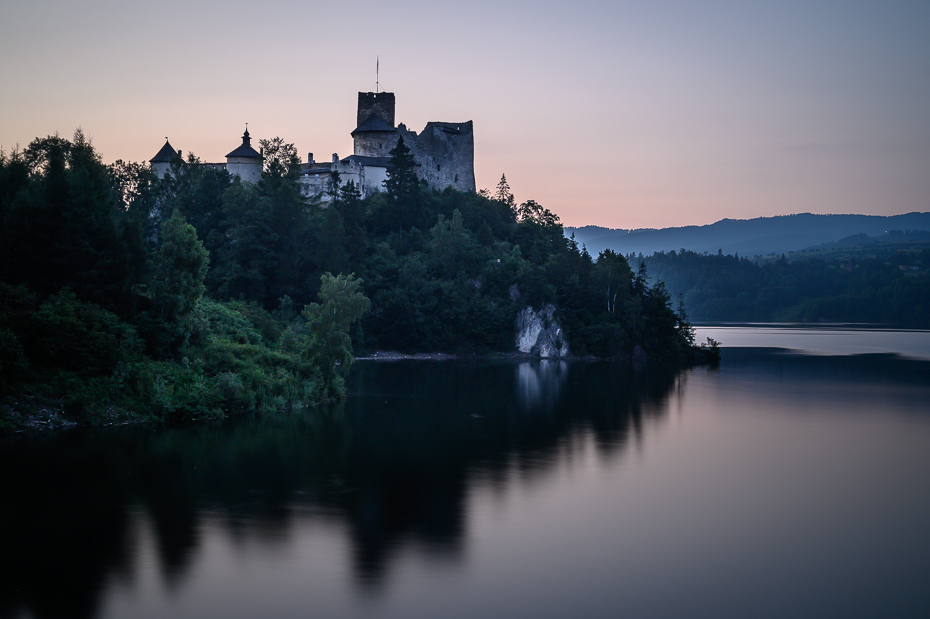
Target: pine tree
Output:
[
  {"x": 401, "y": 183},
  {"x": 503, "y": 194}
]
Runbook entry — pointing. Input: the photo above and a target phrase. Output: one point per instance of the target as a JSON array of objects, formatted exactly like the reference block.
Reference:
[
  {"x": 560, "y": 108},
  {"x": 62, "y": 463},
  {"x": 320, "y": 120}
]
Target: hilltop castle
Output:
[{"x": 444, "y": 154}]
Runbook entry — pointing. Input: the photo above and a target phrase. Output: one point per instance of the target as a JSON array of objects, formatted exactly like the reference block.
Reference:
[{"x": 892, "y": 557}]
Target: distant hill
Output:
[{"x": 747, "y": 237}]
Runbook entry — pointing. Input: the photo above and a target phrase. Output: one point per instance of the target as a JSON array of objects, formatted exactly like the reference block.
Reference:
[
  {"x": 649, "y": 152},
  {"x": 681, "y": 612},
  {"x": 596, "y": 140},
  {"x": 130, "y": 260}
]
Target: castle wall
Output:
[
  {"x": 368, "y": 178},
  {"x": 314, "y": 184},
  {"x": 445, "y": 154},
  {"x": 375, "y": 144},
  {"x": 372, "y": 179},
  {"x": 246, "y": 168},
  {"x": 161, "y": 169}
]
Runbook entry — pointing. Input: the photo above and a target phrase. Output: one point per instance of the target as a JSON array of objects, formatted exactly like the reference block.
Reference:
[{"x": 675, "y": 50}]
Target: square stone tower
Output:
[{"x": 379, "y": 103}]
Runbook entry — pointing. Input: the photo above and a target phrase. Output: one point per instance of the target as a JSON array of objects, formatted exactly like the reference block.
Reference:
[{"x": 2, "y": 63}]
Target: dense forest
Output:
[
  {"x": 892, "y": 289},
  {"x": 126, "y": 296}
]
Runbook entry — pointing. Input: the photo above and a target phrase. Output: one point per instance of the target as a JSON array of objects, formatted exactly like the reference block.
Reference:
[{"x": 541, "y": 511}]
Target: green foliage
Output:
[
  {"x": 226, "y": 321},
  {"x": 503, "y": 193},
  {"x": 178, "y": 270},
  {"x": 183, "y": 391},
  {"x": 727, "y": 288},
  {"x": 92, "y": 257},
  {"x": 81, "y": 337},
  {"x": 280, "y": 159},
  {"x": 329, "y": 347},
  {"x": 62, "y": 225},
  {"x": 12, "y": 358},
  {"x": 401, "y": 184}
]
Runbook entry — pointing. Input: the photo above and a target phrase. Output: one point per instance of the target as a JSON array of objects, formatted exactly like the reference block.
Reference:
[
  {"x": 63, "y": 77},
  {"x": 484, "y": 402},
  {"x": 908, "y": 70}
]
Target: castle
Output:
[{"x": 444, "y": 154}]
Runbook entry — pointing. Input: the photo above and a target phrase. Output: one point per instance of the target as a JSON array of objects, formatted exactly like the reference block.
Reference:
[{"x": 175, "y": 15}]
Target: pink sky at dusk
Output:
[{"x": 618, "y": 114}]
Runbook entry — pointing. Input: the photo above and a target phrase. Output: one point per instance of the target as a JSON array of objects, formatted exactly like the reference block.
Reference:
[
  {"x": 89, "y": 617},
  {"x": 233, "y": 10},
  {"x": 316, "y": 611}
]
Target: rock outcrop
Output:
[{"x": 539, "y": 333}]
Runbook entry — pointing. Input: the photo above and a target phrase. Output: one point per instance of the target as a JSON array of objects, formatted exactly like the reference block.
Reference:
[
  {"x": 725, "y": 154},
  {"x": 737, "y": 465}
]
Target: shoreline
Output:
[{"x": 49, "y": 415}]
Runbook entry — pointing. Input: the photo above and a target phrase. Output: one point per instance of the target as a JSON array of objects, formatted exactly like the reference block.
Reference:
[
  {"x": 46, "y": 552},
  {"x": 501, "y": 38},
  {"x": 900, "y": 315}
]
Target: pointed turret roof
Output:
[
  {"x": 245, "y": 150},
  {"x": 165, "y": 155}
]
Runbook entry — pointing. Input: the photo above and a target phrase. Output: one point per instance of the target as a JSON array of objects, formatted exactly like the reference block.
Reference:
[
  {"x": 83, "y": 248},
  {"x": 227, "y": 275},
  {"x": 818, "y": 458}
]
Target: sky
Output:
[{"x": 618, "y": 114}]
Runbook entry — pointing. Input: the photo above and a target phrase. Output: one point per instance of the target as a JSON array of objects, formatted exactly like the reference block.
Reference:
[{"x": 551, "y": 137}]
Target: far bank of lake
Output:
[{"x": 830, "y": 339}]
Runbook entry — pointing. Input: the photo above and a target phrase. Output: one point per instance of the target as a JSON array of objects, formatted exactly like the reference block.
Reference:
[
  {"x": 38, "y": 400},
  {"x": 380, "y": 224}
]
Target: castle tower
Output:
[
  {"x": 161, "y": 163},
  {"x": 380, "y": 103},
  {"x": 245, "y": 162},
  {"x": 374, "y": 134}
]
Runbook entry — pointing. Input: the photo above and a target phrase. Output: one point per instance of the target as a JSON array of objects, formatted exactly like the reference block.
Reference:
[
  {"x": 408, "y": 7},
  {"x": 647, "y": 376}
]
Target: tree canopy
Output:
[{"x": 190, "y": 286}]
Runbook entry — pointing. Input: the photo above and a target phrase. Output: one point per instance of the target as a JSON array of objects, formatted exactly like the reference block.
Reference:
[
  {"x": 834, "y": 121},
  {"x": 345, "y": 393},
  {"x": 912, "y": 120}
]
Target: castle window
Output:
[{"x": 437, "y": 167}]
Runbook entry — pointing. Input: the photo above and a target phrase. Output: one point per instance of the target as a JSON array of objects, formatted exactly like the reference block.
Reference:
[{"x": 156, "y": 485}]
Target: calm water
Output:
[
  {"x": 831, "y": 340},
  {"x": 777, "y": 485}
]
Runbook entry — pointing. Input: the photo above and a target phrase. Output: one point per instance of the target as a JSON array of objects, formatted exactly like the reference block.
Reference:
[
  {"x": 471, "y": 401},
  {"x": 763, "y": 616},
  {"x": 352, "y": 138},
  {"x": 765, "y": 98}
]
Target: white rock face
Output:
[{"x": 539, "y": 333}]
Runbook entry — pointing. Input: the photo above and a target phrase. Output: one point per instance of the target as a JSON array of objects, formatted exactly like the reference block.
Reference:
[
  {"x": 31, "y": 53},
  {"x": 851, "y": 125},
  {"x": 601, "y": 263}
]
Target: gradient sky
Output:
[{"x": 619, "y": 114}]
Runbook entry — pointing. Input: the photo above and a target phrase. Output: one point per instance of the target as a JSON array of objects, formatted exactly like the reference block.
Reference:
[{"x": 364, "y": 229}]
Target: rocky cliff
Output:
[{"x": 539, "y": 333}]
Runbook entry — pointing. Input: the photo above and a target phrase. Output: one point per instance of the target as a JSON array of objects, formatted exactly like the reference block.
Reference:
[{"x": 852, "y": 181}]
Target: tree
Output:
[
  {"x": 178, "y": 270},
  {"x": 280, "y": 159},
  {"x": 349, "y": 206},
  {"x": 246, "y": 257},
  {"x": 685, "y": 328},
  {"x": 401, "y": 183},
  {"x": 64, "y": 227},
  {"x": 641, "y": 281},
  {"x": 329, "y": 347},
  {"x": 332, "y": 187},
  {"x": 614, "y": 274},
  {"x": 450, "y": 245},
  {"x": 503, "y": 195},
  {"x": 532, "y": 211}
]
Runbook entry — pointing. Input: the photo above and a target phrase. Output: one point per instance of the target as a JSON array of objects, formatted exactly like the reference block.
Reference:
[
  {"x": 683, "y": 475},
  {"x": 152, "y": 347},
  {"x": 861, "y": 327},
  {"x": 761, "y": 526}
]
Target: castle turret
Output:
[
  {"x": 375, "y": 135},
  {"x": 161, "y": 163},
  {"x": 245, "y": 162}
]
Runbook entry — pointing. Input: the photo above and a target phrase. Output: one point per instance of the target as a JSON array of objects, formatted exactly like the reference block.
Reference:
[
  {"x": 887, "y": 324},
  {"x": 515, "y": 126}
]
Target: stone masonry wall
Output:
[{"x": 445, "y": 154}]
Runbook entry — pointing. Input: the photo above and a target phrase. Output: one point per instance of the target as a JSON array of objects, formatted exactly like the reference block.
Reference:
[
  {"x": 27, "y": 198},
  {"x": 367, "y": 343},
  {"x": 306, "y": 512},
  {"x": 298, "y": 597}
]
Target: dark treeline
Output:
[
  {"x": 893, "y": 289},
  {"x": 103, "y": 315},
  {"x": 445, "y": 271},
  {"x": 182, "y": 295}
]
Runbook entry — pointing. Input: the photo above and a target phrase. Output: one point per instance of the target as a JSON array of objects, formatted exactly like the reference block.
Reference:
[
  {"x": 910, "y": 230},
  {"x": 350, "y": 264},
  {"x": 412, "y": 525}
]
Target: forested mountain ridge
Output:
[{"x": 747, "y": 237}]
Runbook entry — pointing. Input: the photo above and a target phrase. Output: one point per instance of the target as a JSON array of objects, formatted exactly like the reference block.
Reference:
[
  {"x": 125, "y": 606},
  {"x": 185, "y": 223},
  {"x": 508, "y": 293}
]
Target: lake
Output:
[{"x": 780, "y": 484}]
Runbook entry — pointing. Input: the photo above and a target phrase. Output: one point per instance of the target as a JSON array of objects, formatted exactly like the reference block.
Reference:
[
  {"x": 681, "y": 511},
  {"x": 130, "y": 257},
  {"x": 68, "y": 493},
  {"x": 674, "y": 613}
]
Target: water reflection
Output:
[
  {"x": 394, "y": 464},
  {"x": 778, "y": 485},
  {"x": 539, "y": 383}
]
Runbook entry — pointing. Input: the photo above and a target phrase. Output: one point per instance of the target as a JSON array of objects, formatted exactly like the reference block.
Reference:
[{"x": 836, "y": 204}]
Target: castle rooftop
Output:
[
  {"x": 165, "y": 155},
  {"x": 245, "y": 149},
  {"x": 372, "y": 124},
  {"x": 381, "y": 162}
]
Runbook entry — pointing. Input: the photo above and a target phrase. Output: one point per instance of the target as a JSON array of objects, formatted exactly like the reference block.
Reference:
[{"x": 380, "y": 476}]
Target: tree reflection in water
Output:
[{"x": 394, "y": 463}]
